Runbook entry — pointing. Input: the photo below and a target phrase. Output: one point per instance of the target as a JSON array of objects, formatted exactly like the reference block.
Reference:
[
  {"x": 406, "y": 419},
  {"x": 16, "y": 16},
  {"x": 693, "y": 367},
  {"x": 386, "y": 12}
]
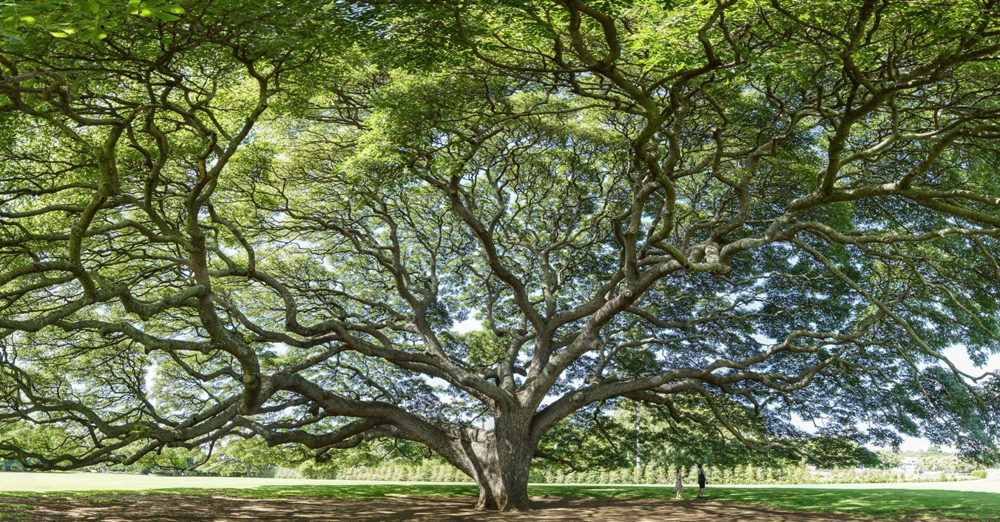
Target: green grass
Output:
[
  {"x": 973, "y": 500},
  {"x": 7, "y": 506},
  {"x": 867, "y": 501},
  {"x": 97, "y": 501},
  {"x": 14, "y": 511}
]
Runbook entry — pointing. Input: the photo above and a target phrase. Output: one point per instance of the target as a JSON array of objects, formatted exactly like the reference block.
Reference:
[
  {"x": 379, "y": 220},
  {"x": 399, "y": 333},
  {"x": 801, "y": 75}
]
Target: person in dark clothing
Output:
[{"x": 701, "y": 482}]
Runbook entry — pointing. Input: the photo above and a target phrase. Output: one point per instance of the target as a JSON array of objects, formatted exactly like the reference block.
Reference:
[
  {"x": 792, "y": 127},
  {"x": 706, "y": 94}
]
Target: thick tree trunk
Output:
[{"x": 502, "y": 463}]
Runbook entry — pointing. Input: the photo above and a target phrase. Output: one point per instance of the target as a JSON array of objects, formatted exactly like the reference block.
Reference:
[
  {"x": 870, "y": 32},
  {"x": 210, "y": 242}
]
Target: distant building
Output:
[{"x": 910, "y": 465}]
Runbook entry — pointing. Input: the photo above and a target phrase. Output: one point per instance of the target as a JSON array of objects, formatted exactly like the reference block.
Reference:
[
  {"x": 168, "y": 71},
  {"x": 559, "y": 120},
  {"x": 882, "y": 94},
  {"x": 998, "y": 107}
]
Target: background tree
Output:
[{"x": 265, "y": 222}]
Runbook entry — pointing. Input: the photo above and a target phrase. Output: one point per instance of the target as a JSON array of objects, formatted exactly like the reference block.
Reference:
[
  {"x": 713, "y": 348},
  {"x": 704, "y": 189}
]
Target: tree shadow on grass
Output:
[{"x": 867, "y": 501}]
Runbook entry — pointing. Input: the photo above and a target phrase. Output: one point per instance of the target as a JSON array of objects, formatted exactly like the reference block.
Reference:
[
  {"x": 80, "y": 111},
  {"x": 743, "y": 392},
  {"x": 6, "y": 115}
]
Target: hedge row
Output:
[{"x": 652, "y": 474}]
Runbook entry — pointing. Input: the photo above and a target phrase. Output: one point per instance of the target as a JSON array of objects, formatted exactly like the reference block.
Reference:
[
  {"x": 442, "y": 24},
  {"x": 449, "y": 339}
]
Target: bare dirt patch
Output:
[{"x": 178, "y": 508}]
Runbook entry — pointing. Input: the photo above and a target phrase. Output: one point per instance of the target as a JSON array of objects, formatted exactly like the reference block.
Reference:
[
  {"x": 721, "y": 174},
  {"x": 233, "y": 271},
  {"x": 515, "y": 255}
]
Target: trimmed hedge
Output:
[
  {"x": 423, "y": 472},
  {"x": 651, "y": 474}
]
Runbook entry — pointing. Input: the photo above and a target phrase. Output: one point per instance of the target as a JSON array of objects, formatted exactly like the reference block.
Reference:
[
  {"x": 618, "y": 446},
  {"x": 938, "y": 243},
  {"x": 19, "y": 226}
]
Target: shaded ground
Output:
[
  {"x": 966, "y": 500},
  {"x": 359, "y": 502},
  {"x": 198, "y": 508}
]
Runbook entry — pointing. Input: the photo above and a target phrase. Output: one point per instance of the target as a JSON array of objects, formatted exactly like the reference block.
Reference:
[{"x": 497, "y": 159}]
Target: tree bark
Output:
[{"x": 502, "y": 462}]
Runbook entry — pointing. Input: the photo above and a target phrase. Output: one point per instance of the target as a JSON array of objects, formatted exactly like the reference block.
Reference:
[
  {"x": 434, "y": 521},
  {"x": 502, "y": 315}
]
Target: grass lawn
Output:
[
  {"x": 973, "y": 500},
  {"x": 865, "y": 501}
]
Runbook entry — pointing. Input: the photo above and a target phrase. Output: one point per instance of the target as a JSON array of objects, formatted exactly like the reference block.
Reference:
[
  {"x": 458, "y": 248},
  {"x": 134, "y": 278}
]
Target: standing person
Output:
[
  {"x": 701, "y": 482},
  {"x": 680, "y": 483}
]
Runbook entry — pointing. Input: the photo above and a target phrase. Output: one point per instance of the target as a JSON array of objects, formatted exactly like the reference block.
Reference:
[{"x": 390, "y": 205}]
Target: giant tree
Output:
[{"x": 254, "y": 222}]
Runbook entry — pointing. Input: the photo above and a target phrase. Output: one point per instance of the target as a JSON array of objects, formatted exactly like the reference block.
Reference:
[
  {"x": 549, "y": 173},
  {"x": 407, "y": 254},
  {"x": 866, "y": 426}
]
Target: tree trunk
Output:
[{"x": 502, "y": 464}]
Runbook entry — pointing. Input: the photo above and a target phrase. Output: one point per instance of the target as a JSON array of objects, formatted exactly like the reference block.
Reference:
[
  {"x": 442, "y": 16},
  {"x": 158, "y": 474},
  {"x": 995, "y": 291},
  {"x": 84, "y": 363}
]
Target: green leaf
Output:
[
  {"x": 166, "y": 17},
  {"x": 93, "y": 34}
]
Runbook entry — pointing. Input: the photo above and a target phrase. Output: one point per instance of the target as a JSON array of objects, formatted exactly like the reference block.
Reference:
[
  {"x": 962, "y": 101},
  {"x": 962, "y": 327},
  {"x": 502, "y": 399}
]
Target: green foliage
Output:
[
  {"x": 669, "y": 436},
  {"x": 828, "y": 452},
  {"x": 251, "y": 458},
  {"x": 88, "y": 20},
  {"x": 788, "y": 474},
  {"x": 224, "y": 221},
  {"x": 426, "y": 471}
]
